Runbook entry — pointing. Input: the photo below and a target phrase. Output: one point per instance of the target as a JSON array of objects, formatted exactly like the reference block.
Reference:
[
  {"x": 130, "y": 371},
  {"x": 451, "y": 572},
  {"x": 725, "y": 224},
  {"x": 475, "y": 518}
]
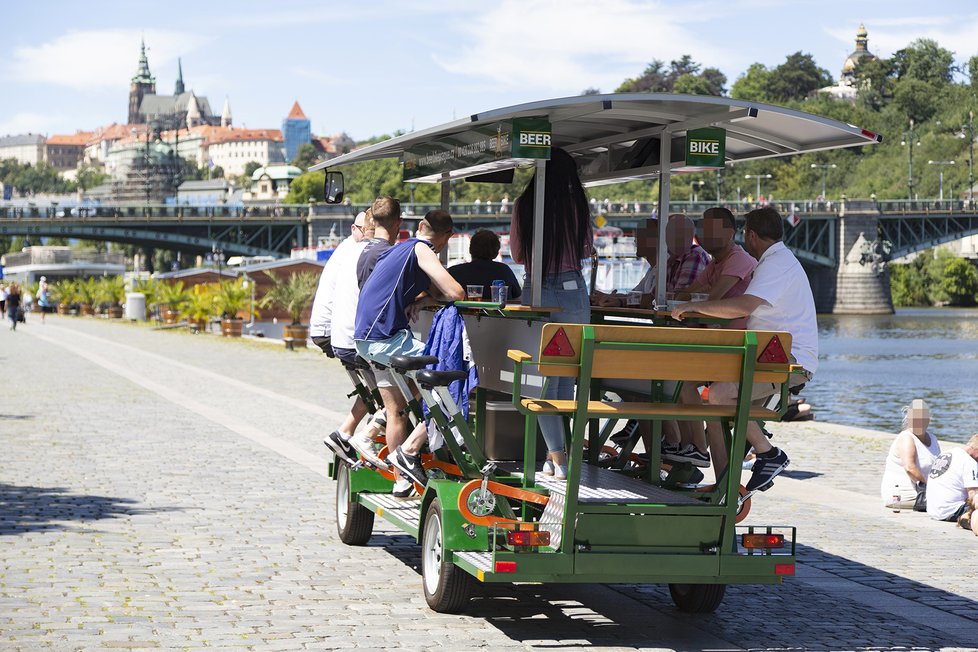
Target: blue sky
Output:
[{"x": 371, "y": 67}]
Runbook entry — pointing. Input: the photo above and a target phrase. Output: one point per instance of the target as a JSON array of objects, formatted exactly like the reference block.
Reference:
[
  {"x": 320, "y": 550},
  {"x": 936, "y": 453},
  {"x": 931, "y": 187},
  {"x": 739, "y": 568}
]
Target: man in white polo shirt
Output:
[{"x": 779, "y": 298}]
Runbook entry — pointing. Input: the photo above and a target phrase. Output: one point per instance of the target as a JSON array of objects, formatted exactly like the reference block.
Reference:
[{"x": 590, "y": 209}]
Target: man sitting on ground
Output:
[
  {"x": 407, "y": 277},
  {"x": 778, "y": 298},
  {"x": 483, "y": 270},
  {"x": 952, "y": 486}
]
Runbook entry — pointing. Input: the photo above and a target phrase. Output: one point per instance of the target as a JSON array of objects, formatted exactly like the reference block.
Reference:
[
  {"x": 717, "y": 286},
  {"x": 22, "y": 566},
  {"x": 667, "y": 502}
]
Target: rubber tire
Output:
[
  {"x": 356, "y": 528},
  {"x": 453, "y": 586},
  {"x": 697, "y": 598}
]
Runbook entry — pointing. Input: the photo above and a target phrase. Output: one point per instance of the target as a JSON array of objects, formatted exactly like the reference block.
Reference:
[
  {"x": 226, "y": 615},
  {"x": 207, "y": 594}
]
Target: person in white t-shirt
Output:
[
  {"x": 779, "y": 298},
  {"x": 327, "y": 311},
  {"x": 910, "y": 457},
  {"x": 952, "y": 486}
]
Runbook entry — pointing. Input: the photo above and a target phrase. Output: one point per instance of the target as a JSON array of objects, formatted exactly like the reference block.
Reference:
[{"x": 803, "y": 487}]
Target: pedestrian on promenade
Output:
[
  {"x": 910, "y": 458},
  {"x": 43, "y": 297},
  {"x": 567, "y": 240},
  {"x": 3, "y": 299},
  {"x": 13, "y": 305},
  {"x": 952, "y": 487}
]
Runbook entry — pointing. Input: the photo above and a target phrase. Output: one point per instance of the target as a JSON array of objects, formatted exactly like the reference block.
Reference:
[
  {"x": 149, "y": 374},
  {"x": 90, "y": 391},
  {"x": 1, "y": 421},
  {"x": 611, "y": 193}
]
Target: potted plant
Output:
[
  {"x": 198, "y": 307},
  {"x": 231, "y": 298},
  {"x": 293, "y": 295},
  {"x": 112, "y": 292},
  {"x": 87, "y": 294},
  {"x": 170, "y": 298},
  {"x": 63, "y": 294}
]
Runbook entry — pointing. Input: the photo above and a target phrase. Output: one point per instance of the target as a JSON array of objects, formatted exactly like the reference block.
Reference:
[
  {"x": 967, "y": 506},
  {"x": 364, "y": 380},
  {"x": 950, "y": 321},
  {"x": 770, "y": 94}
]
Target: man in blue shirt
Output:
[{"x": 407, "y": 277}]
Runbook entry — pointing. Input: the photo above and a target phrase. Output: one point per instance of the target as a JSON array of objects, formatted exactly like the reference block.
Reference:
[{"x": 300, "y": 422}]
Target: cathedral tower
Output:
[{"x": 143, "y": 83}]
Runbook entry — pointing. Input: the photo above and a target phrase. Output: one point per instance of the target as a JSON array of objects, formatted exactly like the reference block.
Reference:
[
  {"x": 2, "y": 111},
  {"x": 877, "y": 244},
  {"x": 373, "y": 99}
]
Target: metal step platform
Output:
[
  {"x": 605, "y": 486},
  {"x": 407, "y": 510}
]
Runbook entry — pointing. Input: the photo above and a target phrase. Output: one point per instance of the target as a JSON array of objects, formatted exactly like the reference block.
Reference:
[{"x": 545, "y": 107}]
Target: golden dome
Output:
[{"x": 861, "y": 52}]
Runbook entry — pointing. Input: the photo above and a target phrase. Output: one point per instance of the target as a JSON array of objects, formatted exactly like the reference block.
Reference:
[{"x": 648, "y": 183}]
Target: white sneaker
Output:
[
  {"x": 364, "y": 445},
  {"x": 548, "y": 468},
  {"x": 560, "y": 471}
]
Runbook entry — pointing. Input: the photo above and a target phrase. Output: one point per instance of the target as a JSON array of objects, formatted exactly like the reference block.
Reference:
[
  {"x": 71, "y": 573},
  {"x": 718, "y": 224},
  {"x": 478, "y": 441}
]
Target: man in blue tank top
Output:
[{"x": 407, "y": 277}]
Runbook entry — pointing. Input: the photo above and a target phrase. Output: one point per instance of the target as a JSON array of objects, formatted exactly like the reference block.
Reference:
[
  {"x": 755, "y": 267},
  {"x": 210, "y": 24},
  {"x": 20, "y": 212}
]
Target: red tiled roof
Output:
[
  {"x": 115, "y": 131},
  {"x": 79, "y": 138},
  {"x": 296, "y": 112},
  {"x": 228, "y": 134}
]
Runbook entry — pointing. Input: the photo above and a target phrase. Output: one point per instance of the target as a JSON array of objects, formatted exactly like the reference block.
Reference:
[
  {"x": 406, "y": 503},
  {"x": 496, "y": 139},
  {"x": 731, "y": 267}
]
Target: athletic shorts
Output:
[
  {"x": 380, "y": 351},
  {"x": 953, "y": 518}
]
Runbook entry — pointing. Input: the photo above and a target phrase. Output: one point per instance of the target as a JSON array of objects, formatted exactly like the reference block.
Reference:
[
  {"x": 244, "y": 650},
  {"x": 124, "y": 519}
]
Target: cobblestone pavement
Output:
[{"x": 163, "y": 490}]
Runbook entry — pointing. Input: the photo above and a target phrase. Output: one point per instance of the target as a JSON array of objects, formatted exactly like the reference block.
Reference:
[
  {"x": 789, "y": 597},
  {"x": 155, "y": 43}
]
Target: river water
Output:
[{"x": 870, "y": 366}]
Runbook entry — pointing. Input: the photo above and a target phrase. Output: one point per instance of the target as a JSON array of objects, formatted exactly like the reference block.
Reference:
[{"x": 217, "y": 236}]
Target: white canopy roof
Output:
[{"x": 601, "y": 130}]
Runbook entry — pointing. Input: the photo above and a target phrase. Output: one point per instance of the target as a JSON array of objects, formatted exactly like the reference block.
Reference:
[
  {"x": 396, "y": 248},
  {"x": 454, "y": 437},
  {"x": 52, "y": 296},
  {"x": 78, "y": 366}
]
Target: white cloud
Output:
[
  {"x": 573, "y": 44},
  {"x": 96, "y": 59},
  {"x": 28, "y": 123}
]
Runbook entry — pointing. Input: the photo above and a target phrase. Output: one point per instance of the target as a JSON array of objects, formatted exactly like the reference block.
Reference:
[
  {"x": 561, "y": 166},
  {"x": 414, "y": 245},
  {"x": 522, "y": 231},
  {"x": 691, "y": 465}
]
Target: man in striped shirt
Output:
[{"x": 686, "y": 258}]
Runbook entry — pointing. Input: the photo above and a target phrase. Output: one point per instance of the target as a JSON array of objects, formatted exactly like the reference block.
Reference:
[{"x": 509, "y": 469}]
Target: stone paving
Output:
[{"x": 163, "y": 490}]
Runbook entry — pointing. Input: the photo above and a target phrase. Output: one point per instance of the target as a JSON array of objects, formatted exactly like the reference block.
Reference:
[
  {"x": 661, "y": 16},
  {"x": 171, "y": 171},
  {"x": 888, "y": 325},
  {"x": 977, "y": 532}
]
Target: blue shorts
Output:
[{"x": 380, "y": 351}]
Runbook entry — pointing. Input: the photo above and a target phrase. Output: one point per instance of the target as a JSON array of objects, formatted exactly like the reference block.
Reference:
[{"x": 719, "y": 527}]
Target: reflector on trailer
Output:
[
  {"x": 784, "y": 569},
  {"x": 559, "y": 345},
  {"x": 528, "y": 538},
  {"x": 763, "y": 541},
  {"x": 505, "y": 566},
  {"x": 773, "y": 352}
]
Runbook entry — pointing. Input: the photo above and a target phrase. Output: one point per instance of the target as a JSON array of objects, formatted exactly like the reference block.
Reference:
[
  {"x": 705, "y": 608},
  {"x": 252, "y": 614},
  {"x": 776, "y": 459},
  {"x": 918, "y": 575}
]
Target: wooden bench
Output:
[{"x": 595, "y": 354}]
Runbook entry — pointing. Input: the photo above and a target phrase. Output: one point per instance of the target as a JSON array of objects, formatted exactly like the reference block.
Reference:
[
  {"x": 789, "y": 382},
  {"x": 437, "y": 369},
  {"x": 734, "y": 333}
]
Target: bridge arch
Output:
[{"x": 912, "y": 233}]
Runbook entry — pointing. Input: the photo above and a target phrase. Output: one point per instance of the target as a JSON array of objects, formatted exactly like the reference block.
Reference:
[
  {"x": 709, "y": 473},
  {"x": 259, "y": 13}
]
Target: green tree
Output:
[
  {"x": 959, "y": 282},
  {"x": 306, "y": 156},
  {"x": 973, "y": 72},
  {"x": 875, "y": 79},
  {"x": 90, "y": 176},
  {"x": 305, "y": 187},
  {"x": 915, "y": 98},
  {"x": 656, "y": 78},
  {"x": 797, "y": 78},
  {"x": 926, "y": 61},
  {"x": 753, "y": 85},
  {"x": 217, "y": 172}
]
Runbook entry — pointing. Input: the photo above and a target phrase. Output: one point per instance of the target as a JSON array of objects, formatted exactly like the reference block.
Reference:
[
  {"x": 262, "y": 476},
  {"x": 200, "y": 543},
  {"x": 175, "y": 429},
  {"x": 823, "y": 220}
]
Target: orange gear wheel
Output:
[
  {"x": 498, "y": 489},
  {"x": 744, "y": 509}
]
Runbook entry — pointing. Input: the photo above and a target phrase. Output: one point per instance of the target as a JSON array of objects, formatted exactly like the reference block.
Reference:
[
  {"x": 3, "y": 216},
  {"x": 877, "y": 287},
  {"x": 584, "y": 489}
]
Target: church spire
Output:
[
  {"x": 226, "y": 113},
  {"x": 178, "y": 87},
  {"x": 142, "y": 70}
]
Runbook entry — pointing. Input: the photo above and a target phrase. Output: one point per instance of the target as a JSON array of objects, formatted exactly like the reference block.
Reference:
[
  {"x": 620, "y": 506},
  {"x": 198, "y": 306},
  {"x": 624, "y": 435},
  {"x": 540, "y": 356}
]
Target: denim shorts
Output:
[{"x": 380, "y": 351}]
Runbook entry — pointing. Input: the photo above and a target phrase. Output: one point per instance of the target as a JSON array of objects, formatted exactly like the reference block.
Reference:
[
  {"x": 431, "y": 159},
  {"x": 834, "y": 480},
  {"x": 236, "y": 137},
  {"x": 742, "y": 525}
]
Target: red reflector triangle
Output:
[
  {"x": 559, "y": 345},
  {"x": 773, "y": 352}
]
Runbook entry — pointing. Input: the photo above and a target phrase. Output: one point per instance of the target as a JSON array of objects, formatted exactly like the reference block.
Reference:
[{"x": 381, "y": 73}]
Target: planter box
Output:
[
  {"x": 115, "y": 312},
  {"x": 85, "y": 309},
  {"x": 232, "y": 327},
  {"x": 298, "y": 332}
]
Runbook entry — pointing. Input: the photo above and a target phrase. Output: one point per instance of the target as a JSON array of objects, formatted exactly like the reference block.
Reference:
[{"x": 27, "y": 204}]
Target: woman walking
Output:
[
  {"x": 13, "y": 305},
  {"x": 567, "y": 240}
]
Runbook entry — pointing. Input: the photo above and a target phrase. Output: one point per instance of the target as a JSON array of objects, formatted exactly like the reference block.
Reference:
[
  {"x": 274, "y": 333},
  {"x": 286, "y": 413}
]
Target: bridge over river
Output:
[{"x": 841, "y": 244}]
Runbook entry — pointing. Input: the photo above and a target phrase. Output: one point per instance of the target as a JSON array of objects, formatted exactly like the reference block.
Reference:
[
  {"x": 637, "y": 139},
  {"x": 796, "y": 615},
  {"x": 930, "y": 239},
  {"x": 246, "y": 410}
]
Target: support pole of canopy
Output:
[
  {"x": 665, "y": 161},
  {"x": 540, "y": 193},
  {"x": 445, "y": 188}
]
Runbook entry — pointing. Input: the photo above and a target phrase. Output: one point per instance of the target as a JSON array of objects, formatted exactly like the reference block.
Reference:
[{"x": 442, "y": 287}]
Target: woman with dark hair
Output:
[{"x": 567, "y": 240}]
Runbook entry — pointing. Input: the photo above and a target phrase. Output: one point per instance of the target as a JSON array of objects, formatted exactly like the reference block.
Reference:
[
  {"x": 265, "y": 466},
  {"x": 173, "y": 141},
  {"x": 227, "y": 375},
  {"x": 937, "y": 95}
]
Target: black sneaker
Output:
[
  {"x": 766, "y": 469},
  {"x": 403, "y": 489},
  {"x": 626, "y": 433},
  {"x": 689, "y": 454},
  {"x": 341, "y": 448},
  {"x": 669, "y": 448},
  {"x": 409, "y": 465}
]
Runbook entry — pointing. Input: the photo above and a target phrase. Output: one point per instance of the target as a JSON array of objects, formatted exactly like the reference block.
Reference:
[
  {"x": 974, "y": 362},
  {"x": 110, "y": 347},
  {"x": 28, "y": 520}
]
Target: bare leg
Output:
[
  {"x": 397, "y": 422},
  {"x": 412, "y": 445},
  {"x": 353, "y": 418}
]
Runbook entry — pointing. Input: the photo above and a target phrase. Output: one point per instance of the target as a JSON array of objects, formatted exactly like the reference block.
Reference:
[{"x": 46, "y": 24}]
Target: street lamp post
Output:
[
  {"x": 909, "y": 137},
  {"x": 941, "y": 165},
  {"x": 970, "y": 128},
  {"x": 758, "y": 178},
  {"x": 694, "y": 187},
  {"x": 824, "y": 167}
]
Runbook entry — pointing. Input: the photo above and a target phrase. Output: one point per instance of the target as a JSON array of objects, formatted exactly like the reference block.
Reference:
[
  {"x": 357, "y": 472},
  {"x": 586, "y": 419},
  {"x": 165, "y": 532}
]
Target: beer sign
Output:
[{"x": 705, "y": 148}]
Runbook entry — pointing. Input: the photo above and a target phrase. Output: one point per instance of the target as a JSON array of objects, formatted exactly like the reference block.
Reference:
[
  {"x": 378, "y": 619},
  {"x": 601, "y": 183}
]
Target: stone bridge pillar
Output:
[{"x": 862, "y": 280}]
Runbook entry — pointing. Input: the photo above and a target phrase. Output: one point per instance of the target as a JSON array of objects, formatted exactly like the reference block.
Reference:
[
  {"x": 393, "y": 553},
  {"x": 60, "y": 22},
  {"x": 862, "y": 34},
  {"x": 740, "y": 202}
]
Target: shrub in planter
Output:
[
  {"x": 63, "y": 295},
  {"x": 292, "y": 295},
  {"x": 170, "y": 298},
  {"x": 198, "y": 307},
  {"x": 111, "y": 292},
  {"x": 230, "y": 299},
  {"x": 87, "y": 293}
]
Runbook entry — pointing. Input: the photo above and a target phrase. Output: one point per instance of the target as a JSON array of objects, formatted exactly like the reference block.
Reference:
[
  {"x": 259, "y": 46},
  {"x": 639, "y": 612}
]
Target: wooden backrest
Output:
[{"x": 722, "y": 363}]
